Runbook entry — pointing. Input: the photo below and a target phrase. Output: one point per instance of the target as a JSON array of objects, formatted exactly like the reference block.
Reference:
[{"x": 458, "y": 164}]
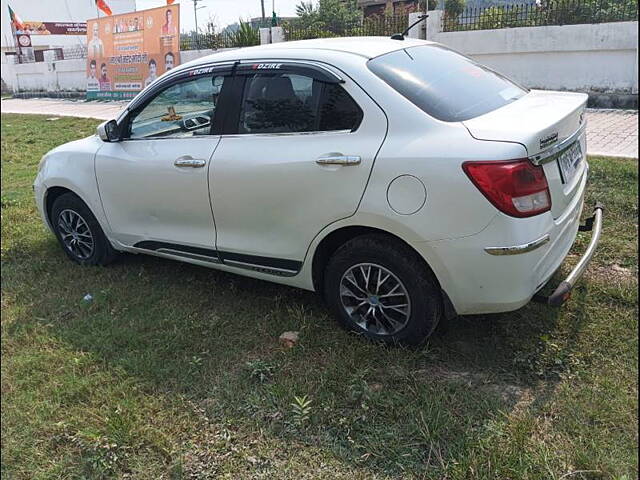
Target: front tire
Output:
[
  {"x": 79, "y": 232},
  {"x": 380, "y": 288}
]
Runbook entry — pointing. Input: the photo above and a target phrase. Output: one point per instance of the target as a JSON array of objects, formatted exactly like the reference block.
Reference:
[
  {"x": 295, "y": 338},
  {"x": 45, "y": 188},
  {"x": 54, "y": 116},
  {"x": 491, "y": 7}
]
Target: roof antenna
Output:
[{"x": 400, "y": 36}]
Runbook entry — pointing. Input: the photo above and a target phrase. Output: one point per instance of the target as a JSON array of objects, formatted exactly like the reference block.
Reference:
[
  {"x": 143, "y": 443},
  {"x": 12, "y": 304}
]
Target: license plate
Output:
[{"x": 569, "y": 161}]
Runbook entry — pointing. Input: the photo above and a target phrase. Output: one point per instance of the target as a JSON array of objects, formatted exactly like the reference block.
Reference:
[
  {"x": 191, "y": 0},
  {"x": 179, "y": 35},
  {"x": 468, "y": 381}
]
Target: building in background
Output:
[{"x": 73, "y": 11}]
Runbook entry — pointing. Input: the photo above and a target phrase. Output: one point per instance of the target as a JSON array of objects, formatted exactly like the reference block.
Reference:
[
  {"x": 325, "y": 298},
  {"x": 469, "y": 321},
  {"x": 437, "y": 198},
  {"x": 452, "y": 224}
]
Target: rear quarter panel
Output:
[{"x": 433, "y": 151}]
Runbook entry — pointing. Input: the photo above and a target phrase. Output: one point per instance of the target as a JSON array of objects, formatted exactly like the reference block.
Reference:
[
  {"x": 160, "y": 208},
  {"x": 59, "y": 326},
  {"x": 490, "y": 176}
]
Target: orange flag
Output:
[
  {"x": 102, "y": 5},
  {"x": 169, "y": 2},
  {"x": 15, "y": 19}
]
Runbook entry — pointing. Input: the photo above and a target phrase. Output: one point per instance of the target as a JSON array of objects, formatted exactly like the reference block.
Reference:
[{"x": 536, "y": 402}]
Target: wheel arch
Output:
[
  {"x": 55, "y": 191},
  {"x": 336, "y": 238},
  {"x": 50, "y": 196}
]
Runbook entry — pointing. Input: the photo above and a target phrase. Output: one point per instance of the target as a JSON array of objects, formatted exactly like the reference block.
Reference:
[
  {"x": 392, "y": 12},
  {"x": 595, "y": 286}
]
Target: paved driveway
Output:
[
  {"x": 612, "y": 132},
  {"x": 64, "y": 108},
  {"x": 609, "y": 132}
]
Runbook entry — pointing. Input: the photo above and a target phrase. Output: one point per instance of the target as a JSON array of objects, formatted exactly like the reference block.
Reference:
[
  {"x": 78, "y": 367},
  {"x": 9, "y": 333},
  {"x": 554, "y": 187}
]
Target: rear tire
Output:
[
  {"x": 380, "y": 288},
  {"x": 79, "y": 233}
]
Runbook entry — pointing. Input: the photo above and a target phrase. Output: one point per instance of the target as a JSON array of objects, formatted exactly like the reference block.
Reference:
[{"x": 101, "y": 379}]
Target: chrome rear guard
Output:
[{"x": 563, "y": 291}]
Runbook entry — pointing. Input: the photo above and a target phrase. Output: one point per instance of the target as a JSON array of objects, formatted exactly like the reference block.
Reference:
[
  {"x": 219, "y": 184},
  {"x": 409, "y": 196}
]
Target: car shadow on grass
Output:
[{"x": 212, "y": 337}]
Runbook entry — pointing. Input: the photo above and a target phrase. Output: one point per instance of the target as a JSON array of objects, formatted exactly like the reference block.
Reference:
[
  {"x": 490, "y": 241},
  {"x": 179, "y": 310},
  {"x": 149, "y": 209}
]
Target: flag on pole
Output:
[
  {"x": 15, "y": 19},
  {"x": 102, "y": 5}
]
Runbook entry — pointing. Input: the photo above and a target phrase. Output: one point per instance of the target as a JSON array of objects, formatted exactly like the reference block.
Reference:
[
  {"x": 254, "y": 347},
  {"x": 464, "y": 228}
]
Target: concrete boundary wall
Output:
[{"x": 599, "y": 59}]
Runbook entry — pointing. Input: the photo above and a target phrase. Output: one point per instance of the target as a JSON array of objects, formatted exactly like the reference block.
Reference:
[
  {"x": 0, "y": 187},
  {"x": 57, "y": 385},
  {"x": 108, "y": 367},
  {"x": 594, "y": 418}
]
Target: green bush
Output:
[
  {"x": 245, "y": 36},
  {"x": 547, "y": 12},
  {"x": 500, "y": 17}
]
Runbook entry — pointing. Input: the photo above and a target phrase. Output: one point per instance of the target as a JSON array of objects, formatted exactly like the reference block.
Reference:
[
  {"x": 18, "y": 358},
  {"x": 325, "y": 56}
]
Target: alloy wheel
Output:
[
  {"x": 75, "y": 233},
  {"x": 375, "y": 299}
]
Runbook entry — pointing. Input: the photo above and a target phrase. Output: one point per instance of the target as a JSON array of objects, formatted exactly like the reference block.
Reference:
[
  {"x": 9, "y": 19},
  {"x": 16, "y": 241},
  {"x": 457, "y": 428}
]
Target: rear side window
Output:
[
  {"x": 294, "y": 103},
  {"x": 338, "y": 111},
  {"x": 446, "y": 85}
]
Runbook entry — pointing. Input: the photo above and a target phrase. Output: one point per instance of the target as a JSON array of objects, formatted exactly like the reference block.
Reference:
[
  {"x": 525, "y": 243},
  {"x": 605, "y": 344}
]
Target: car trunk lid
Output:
[{"x": 550, "y": 126}]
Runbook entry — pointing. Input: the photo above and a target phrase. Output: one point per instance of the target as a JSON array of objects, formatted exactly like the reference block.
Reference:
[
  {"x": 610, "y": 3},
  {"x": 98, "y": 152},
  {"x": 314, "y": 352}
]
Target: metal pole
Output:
[
  {"x": 263, "y": 17},
  {"x": 195, "y": 14}
]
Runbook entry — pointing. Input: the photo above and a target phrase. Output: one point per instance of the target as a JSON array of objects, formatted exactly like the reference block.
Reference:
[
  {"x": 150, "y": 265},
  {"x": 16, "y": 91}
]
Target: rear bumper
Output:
[{"x": 501, "y": 268}]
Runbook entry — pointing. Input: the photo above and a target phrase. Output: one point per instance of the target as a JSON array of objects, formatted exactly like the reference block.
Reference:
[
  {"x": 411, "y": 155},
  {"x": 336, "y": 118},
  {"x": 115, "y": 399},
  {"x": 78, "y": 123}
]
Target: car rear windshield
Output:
[{"x": 443, "y": 83}]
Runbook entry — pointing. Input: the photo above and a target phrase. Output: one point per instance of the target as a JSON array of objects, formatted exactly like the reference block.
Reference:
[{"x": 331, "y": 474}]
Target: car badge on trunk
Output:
[{"x": 548, "y": 140}]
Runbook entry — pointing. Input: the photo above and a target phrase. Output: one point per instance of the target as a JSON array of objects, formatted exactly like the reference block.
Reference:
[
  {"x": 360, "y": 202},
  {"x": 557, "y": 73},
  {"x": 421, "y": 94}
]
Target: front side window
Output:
[
  {"x": 446, "y": 85},
  {"x": 184, "y": 109},
  {"x": 293, "y": 103}
]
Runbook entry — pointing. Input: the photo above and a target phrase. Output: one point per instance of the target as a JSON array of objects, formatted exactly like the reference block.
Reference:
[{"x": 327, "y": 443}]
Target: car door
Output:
[
  {"x": 296, "y": 156},
  {"x": 153, "y": 183}
]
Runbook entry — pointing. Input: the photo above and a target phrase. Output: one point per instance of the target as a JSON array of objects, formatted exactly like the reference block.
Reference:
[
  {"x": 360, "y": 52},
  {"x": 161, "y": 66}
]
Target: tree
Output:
[
  {"x": 327, "y": 12},
  {"x": 306, "y": 9},
  {"x": 559, "y": 12},
  {"x": 453, "y": 8}
]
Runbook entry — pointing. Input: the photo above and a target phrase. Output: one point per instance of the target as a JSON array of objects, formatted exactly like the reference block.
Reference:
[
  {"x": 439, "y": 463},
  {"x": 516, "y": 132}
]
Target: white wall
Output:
[
  {"x": 62, "y": 75},
  {"x": 589, "y": 58}
]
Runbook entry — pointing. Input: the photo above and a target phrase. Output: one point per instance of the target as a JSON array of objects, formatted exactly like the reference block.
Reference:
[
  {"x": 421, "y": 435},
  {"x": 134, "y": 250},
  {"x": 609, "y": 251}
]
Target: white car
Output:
[{"x": 402, "y": 181}]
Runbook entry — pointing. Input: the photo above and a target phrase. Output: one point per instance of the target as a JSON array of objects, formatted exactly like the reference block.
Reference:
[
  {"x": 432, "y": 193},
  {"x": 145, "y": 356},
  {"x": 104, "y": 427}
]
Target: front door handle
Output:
[
  {"x": 189, "y": 162},
  {"x": 339, "y": 160}
]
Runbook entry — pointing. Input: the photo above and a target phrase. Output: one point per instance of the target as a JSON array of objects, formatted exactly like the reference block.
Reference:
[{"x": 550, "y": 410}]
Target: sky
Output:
[{"x": 223, "y": 12}]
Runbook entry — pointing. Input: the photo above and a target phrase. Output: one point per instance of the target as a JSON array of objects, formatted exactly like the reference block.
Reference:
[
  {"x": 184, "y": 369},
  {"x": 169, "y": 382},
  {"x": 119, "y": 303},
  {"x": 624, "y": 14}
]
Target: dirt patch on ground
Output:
[
  {"x": 509, "y": 393},
  {"x": 612, "y": 273}
]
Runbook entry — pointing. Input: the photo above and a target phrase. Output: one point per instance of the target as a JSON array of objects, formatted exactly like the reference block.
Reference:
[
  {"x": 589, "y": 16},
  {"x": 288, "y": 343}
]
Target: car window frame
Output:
[
  {"x": 225, "y": 69},
  {"x": 245, "y": 68}
]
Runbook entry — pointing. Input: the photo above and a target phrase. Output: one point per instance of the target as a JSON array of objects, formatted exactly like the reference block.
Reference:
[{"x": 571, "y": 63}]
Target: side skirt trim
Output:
[
  {"x": 272, "y": 266},
  {"x": 180, "y": 250}
]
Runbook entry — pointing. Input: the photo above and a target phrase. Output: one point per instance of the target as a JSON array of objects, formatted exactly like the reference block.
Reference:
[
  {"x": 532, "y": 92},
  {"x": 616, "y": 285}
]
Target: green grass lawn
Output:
[{"x": 174, "y": 371}]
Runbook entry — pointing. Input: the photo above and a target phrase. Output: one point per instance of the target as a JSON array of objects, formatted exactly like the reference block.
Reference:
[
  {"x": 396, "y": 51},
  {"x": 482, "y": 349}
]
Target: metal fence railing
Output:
[
  {"x": 244, "y": 37},
  {"x": 549, "y": 12},
  {"x": 69, "y": 52},
  {"x": 74, "y": 51},
  {"x": 369, "y": 26}
]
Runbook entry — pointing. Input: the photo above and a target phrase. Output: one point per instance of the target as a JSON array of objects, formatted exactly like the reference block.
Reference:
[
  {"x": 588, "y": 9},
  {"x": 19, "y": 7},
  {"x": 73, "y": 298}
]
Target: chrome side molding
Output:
[{"x": 518, "y": 249}]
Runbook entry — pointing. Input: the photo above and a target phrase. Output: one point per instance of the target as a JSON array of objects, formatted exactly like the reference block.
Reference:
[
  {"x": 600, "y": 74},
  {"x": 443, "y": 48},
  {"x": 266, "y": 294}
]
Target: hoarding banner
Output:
[
  {"x": 126, "y": 52},
  {"x": 25, "y": 48},
  {"x": 53, "y": 28}
]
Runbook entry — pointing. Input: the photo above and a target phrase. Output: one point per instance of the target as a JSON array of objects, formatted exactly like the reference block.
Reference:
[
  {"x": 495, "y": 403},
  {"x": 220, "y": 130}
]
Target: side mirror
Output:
[{"x": 108, "y": 131}]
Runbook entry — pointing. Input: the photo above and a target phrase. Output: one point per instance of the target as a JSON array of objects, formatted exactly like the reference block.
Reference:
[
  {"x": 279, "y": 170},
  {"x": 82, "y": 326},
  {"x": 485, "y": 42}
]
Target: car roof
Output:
[{"x": 367, "y": 47}]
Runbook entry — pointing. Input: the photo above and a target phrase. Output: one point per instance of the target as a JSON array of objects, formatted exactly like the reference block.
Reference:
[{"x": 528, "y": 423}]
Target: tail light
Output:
[{"x": 517, "y": 188}]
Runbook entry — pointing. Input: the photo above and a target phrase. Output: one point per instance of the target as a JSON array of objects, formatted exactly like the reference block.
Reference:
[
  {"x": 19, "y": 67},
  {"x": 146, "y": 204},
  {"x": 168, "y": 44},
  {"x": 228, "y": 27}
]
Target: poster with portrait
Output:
[
  {"x": 52, "y": 28},
  {"x": 127, "y": 52}
]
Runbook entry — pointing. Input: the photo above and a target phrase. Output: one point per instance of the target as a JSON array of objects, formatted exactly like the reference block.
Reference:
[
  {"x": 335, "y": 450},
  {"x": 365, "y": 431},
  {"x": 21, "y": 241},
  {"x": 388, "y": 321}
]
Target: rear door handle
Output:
[
  {"x": 188, "y": 161},
  {"x": 339, "y": 160}
]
